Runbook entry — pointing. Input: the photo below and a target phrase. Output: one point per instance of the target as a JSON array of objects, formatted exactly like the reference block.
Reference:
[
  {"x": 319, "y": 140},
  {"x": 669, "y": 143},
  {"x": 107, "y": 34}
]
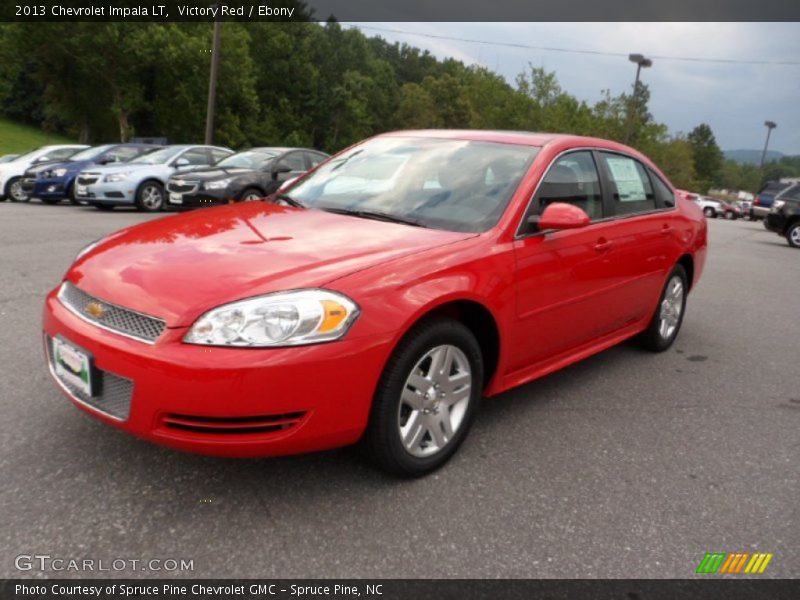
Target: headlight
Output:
[
  {"x": 86, "y": 249},
  {"x": 777, "y": 205},
  {"x": 116, "y": 177},
  {"x": 58, "y": 172},
  {"x": 218, "y": 185},
  {"x": 281, "y": 319}
]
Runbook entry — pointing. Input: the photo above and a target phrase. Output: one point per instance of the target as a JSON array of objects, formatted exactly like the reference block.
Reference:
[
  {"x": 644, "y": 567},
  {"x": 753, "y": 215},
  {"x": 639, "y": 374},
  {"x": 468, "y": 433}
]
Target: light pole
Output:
[
  {"x": 640, "y": 61},
  {"x": 212, "y": 83},
  {"x": 770, "y": 125}
]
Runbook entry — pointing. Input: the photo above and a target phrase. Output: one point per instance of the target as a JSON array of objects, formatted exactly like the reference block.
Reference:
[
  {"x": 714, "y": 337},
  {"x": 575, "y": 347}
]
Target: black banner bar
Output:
[
  {"x": 393, "y": 589},
  {"x": 401, "y": 10}
]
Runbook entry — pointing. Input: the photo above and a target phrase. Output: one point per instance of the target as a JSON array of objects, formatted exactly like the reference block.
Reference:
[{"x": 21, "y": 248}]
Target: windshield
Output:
[
  {"x": 90, "y": 153},
  {"x": 159, "y": 157},
  {"x": 251, "y": 159},
  {"x": 455, "y": 185}
]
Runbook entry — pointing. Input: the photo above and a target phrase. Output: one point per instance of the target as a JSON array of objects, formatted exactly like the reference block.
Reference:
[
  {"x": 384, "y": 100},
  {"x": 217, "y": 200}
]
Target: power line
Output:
[{"x": 583, "y": 51}]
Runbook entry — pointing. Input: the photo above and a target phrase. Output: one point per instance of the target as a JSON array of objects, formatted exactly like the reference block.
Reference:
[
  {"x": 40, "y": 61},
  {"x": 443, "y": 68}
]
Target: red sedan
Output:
[{"x": 379, "y": 299}]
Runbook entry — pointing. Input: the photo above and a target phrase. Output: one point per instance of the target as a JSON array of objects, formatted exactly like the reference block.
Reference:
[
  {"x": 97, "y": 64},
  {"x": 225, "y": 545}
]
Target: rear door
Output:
[{"x": 643, "y": 228}]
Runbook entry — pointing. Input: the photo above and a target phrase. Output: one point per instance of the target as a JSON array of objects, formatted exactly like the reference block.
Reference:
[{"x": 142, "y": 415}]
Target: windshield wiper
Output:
[
  {"x": 376, "y": 215},
  {"x": 289, "y": 200}
]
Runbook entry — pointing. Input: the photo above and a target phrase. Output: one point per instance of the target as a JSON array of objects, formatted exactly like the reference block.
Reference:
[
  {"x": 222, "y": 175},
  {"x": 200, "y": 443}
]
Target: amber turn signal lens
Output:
[{"x": 335, "y": 313}]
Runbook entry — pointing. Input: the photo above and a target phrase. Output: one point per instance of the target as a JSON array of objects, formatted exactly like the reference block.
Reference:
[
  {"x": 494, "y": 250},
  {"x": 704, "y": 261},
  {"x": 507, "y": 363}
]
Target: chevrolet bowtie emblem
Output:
[
  {"x": 179, "y": 182},
  {"x": 95, "y": 309}
]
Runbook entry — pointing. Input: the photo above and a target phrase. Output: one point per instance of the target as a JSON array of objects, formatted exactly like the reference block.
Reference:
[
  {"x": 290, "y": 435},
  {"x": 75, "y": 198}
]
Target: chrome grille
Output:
[
  {"x": 110, "y": 316},
  {"x": 112, "y": 393},
  {"x": 87, "y": 178},
  {"x": 182, "y": 186}
]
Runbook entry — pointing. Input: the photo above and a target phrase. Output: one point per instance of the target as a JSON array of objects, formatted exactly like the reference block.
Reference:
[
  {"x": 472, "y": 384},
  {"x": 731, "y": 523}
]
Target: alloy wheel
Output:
[
  {"x": 434, "y": 400},
  {"x": 152, "y": 197},
  {"x": 16, "y": 192},
  {"x": 671, "y": 308}
]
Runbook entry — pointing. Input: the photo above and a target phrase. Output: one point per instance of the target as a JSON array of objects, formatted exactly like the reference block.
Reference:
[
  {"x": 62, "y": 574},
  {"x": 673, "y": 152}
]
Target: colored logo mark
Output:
[{"x": 734, "y": 562}]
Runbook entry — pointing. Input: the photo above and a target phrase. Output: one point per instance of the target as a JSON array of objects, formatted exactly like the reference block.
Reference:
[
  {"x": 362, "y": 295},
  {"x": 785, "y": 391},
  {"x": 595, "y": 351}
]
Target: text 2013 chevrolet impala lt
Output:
[{"x": 378, "y": 299}]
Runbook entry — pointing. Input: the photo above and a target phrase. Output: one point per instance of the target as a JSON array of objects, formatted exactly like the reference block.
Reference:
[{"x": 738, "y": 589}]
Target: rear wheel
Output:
[
  {"x": 14, "y": 190},
  {"x": 426, "y": 400},
  {"x": 793, "y": 235},
  {"x": 668, "y": 317},
  {"x": 150, "y": 196}
]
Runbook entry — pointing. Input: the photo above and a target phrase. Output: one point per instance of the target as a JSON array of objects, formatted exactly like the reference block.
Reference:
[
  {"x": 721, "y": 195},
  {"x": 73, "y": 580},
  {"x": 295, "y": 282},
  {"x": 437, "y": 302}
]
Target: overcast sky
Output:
[{"x": 734, "y": 99}]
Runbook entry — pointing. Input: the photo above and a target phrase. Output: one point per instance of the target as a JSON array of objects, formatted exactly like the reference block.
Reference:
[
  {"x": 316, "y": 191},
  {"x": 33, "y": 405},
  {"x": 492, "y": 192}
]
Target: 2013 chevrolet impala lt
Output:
[{"x": 378, "y": 298}]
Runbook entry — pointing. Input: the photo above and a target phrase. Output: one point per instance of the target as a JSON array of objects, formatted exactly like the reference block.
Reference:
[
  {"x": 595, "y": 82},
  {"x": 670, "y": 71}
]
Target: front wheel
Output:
[
  {"x": 251, "y": 195},
  {"x": 710, "y": 213},
  {"x": 730, "y": 216},
  {"x": 668, "y": 317},
  {"x": 426, "y": 400},
  {"x": 14, "y": 190},
  {"x": 793, "y": 235},
  {"x": 150, "y": 196}
]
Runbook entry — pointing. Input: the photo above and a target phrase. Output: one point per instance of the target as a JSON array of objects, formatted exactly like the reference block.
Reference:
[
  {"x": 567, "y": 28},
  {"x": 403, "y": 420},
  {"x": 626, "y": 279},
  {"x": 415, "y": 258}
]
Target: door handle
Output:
[
  {"x": 603, "y": 244},
  {"x": 666, "y": 229}
]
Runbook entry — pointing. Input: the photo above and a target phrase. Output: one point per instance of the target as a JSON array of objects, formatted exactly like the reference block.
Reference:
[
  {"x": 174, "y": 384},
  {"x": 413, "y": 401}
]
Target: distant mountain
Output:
[{"x": 751, "y": 157}]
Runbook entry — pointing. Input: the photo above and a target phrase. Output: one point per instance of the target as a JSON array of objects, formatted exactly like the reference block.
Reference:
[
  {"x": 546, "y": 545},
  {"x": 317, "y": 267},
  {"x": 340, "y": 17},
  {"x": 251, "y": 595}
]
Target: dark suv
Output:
[
  {"x": 764, "y": 198},
  {"x": 784, "y": 216}
]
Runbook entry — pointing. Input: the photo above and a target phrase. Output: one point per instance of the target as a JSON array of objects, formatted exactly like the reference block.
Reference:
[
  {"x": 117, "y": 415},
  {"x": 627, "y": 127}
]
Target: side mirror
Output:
[
  {"x": 280, "y": 170},
  {"x": 181, "y": 162},
  {"x": 559, "y": 215},
  {"x": 107, "y": 160}
]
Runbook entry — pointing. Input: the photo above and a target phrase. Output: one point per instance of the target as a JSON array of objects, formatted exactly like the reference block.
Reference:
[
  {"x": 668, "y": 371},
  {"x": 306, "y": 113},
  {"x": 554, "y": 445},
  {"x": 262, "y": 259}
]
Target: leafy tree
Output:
[{"x": 707, "y": 155}]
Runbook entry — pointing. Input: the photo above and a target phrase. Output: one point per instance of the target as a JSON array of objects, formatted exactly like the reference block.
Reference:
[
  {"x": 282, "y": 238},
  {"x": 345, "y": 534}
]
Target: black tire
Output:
[
  {"x": 145, "y": 201},
  {"x": 101, "y": 206},
  {"x": 71, "y": 196},
  {"x": 652, "y": 338},
  {"x": 251, "y": 194},
  {"x": 14, "y": 190},
  {"x": 710, "y": 213},
  {"x": 382, "y": 439},
  {"x": 50, "y": 201},
  {"x": 793, "y": 235}
]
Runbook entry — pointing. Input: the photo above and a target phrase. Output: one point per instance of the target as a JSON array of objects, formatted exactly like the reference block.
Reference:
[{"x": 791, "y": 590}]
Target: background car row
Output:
[{"x": 137, "y": 174}]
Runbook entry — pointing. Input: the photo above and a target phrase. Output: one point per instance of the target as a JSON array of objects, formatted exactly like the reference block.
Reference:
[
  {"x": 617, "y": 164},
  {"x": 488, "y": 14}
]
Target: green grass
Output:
[{"x": 16, "y": 138}]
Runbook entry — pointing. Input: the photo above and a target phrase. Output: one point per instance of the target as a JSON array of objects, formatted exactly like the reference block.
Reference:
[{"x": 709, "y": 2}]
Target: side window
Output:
[
  {"x": 294, "y": 161},
  {"x": 123, "y": 154},
  {"x": 573, "y": 179},
  {"x": 217, "y": 154},
  {"x": 314, "y": 159},
  {"x": 631, "y": 189},
  {"x": 664, "y": 197},
  {"x": 196, "y": 156},
  {"x": 59, "y": 154},
  {"x": 793, "y": 193}
]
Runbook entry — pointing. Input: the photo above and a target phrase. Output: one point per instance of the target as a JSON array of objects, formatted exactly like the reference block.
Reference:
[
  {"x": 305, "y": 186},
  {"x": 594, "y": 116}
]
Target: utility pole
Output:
[
  {"x": 640, "y": 61},
  {"x": 212, "y": 83}
]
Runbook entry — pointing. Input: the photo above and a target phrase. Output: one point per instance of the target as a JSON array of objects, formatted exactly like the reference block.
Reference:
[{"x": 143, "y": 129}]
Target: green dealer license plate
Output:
[{"x": 72, "y": 366}]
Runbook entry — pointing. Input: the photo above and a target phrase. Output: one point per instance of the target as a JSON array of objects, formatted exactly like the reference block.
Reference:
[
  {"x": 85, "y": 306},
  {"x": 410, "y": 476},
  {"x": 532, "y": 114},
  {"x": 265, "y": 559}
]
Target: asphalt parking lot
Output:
[{"x": 628, "y": 465}]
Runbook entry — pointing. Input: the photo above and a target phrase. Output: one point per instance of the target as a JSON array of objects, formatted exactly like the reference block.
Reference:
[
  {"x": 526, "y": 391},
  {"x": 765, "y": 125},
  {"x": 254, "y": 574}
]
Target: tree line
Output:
[{"x": 307, "y": 84}]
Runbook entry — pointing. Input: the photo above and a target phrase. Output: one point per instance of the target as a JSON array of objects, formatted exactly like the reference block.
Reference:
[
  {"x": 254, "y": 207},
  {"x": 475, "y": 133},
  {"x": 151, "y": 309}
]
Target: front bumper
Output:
[
  {"x": 198, "y": 199},
  {"x": 227, "y": 401},
  {"x": 55, "y": 189},
  {"x": 103, "y": 192}
]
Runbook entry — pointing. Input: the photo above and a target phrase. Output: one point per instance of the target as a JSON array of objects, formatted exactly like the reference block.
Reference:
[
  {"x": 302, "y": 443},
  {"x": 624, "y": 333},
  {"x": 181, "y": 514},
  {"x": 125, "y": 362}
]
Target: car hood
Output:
[
  {"x": 178, "y": 267},
  {"x": 125, "y": 168},
  {"x": 209, "y": 174}
]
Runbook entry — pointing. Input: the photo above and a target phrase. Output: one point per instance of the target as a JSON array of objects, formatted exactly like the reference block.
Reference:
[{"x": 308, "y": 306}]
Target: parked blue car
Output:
[{"x": 54, "y": 182}]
